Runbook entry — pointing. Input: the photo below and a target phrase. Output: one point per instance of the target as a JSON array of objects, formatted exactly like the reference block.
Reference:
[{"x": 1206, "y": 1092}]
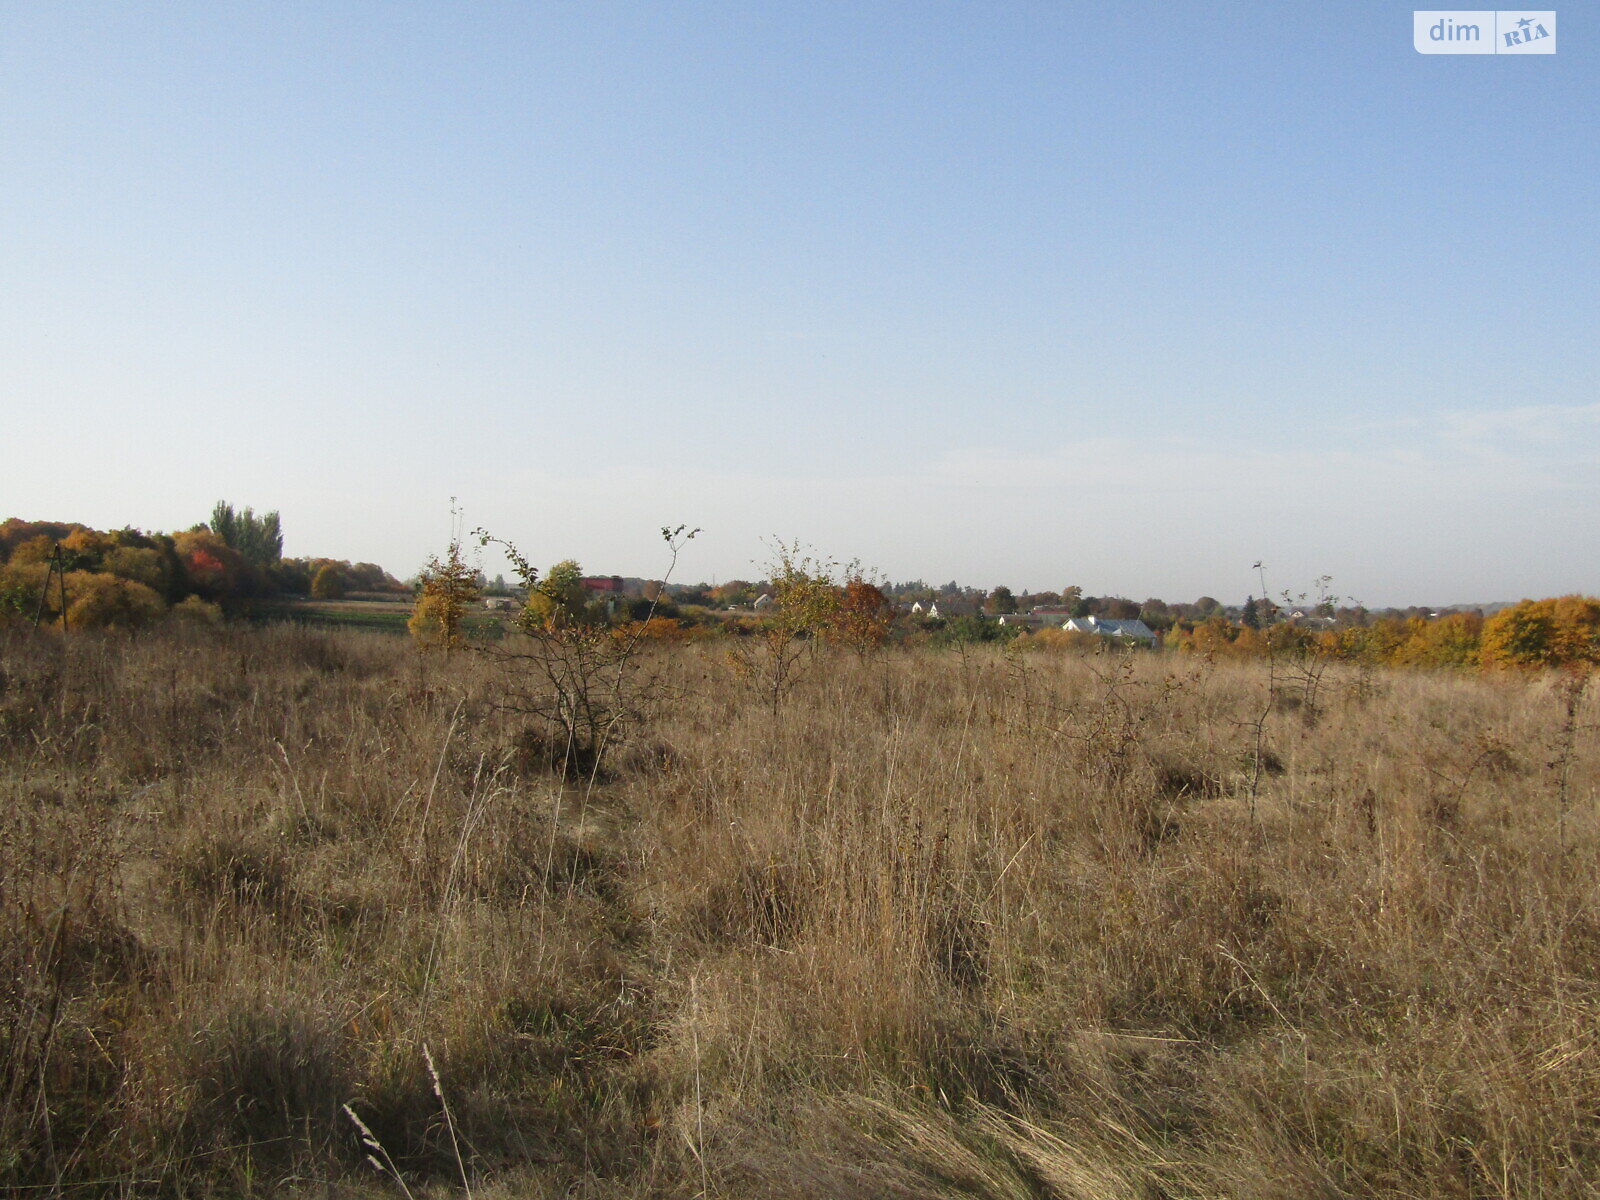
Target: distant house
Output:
[
  {"x": 763, "y": 601},
  {"x": 1123, "y": 631},
  {"x": 499, "y": 603},
  {"x": 1041, "y": 616},
  {"x": 1311, "y": 620},
  {"x": 607, "y": 584}
]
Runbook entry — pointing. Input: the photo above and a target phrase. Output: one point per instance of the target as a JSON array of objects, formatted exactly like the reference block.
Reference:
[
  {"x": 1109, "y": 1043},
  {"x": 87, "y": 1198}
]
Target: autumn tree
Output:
[
  {"x": 447, "y": 587},
  {"x": 735, "y": 593},
  {"x": 1001, "y": 601},
  {"x": 140, "y": 564},
  {"x": 1211, "y": 637},
  {"x": 1577, "y": 630},
  {"x": 861, "y": 620},
  {"x": 14, "y": 532},
  {"x": 41, "y": 548},
  {"x": 26, "y": 591},
  {"x": 328, "y": 583},
  {"x": 85, "y": 549},
  {"x": 214, "y": 569},
  {"x": 100, "y": 601},
  {"x": 559, "y": 598},
  {"x": 1555, "y": 632},
  {"x": 1453, "y": 640}
]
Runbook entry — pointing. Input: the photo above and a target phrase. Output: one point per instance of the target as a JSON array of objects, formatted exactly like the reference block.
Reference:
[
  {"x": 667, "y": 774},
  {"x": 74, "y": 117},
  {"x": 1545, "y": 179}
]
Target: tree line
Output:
[
  {"x": 67, "y": 573},
  {"x": 1559, "y": 631}
]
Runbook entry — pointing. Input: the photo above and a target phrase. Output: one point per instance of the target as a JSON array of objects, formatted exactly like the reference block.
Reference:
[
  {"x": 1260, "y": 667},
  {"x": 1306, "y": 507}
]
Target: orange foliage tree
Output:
[
  {"x": 861, "y": 617},
  {"x": 216, "y": 571},
  {"x": 1534, "y": 633}
]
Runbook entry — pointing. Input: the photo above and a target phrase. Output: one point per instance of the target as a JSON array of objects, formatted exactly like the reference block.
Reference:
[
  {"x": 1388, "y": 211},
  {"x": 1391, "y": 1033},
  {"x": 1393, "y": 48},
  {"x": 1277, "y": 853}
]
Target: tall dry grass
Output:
[{"x": 945, "y": 925}]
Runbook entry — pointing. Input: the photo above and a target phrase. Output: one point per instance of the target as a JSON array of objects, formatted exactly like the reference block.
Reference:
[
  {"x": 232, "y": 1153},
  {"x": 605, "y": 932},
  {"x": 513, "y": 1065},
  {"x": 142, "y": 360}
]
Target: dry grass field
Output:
[{"x": 945, "y": 925}]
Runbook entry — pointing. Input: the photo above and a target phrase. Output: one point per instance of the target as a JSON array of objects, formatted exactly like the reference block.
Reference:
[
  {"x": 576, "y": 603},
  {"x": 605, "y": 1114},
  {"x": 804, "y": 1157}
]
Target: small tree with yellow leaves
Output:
[{"x": 448, "y": 586}]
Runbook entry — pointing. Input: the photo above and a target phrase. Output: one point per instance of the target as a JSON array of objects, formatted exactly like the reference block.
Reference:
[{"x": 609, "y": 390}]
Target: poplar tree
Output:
[{"x": 258, "y": 539}]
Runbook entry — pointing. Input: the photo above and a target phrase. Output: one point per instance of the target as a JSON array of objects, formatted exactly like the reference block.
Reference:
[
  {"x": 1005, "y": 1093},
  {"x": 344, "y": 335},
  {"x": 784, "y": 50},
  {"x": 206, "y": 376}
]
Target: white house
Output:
[{"x": 1124, "y": 631}]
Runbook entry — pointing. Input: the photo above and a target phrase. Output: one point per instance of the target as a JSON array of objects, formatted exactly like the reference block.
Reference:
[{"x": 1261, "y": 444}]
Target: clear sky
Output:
[{"x": 1125, "y": 296}]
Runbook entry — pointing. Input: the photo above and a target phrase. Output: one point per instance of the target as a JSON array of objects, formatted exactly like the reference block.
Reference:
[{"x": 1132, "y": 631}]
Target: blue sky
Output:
[{"x": 1123, "y": 296}]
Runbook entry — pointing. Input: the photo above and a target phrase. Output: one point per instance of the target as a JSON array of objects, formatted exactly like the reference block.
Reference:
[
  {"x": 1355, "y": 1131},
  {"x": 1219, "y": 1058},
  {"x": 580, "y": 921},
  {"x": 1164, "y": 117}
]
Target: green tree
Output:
[
  {"x": 973, "y": 630},
  {"x": 1250, "y": 618},
  {"x": 735, "y": 593},
  {"x": 1001, "y": 601},
  {"x": 259, "y": 540},
  {"x": 559, "y": 598}
]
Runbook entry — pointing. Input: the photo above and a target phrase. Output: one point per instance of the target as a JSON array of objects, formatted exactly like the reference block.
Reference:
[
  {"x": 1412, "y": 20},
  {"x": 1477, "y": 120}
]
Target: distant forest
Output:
[{"x": 127, "y": 578}]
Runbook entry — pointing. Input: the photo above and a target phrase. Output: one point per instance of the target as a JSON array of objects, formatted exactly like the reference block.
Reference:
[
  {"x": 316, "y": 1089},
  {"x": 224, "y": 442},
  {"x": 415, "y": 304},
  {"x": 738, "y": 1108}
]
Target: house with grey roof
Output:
[{"x": 1123, "y": 631}]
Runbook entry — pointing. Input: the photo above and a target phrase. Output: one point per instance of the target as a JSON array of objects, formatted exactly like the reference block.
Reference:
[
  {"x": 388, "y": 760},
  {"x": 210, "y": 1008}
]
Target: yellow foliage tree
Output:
[
  {"x": 1558, "y": 632},
  {"x": 1452, "y": 640},
  {"x": 138, "y": 564},
  {"x": 327, "y": 583},
  {"x": 448, "y": 586},
  {"x": 557, "y": 599},
  {"x": 99, "y": 601}
]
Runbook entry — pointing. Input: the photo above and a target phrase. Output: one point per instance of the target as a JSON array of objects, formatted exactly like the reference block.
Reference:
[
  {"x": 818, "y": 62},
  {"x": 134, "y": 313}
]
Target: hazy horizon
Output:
[{"x": 1125, "y": 298}]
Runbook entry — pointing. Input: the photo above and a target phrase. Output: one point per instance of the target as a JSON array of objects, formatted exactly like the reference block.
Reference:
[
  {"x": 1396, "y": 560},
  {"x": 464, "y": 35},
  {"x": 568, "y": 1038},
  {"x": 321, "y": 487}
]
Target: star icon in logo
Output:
[{"x": 1525, "y": 22}]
